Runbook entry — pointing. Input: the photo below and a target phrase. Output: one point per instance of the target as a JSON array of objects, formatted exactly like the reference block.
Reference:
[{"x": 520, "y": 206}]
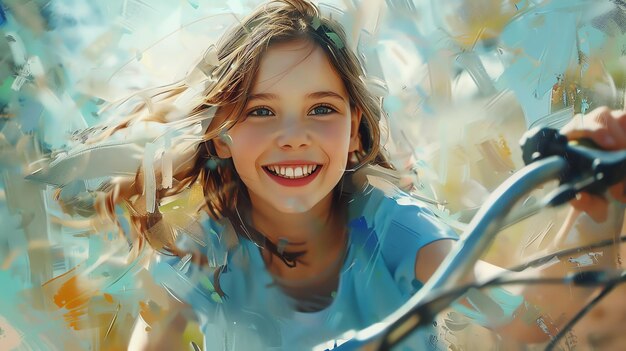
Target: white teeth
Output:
[
  {"x": 297, "y": 172},
  {"x": 292, "y": 172}
]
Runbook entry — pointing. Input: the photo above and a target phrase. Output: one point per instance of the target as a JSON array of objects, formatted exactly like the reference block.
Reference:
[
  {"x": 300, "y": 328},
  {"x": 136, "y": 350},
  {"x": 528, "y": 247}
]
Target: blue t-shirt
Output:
[{"x": 377, "y": 277}]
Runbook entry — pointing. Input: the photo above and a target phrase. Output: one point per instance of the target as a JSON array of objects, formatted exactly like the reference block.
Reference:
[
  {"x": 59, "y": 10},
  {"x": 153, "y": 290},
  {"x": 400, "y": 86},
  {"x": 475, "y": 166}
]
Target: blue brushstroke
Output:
[{"x": 3, "y": 16}]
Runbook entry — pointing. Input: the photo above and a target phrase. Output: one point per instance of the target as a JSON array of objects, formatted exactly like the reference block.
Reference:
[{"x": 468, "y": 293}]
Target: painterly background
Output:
[{"x": 461, "y": 81}]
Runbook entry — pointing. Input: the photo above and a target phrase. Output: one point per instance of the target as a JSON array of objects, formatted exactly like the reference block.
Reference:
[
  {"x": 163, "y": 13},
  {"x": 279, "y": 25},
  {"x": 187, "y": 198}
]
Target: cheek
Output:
[
  {"x": 335, "y": 141},
  {"x": 244, "y": 142},
  {"x": 337, "y": 137},
  {"x": 244, "y": 137}
]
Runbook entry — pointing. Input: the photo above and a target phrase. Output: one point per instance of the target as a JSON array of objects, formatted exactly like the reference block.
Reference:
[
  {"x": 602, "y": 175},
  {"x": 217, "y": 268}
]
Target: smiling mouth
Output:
[{"x": 292, "y": 172}]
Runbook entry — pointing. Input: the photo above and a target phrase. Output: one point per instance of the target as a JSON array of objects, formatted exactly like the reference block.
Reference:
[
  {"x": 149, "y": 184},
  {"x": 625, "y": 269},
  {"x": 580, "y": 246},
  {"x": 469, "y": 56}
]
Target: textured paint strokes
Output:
[
  {"x": 460, "y": 81},
  {"x": 73, "y": 296}
]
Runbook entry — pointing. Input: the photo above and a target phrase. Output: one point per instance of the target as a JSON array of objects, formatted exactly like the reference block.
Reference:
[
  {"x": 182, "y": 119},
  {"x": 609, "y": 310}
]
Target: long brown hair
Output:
[{"x": 226, "y": 75}]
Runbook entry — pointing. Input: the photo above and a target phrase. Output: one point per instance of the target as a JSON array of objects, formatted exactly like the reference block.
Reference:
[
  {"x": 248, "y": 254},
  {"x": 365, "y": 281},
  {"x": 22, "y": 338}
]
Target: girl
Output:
[{"x": 303, "y": 232}]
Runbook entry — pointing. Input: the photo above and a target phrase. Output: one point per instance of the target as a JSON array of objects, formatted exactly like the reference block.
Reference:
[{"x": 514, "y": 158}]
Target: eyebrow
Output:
[{"x": 315, "y": 95}]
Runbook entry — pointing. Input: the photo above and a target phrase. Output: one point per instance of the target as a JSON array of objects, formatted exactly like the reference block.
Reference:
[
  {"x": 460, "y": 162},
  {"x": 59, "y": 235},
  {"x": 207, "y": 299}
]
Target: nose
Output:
[{"x": 293, "y": 134}]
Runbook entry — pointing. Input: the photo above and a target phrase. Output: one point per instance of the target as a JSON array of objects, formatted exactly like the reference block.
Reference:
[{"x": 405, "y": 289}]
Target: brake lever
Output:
[{"x": 589, "y": 168}]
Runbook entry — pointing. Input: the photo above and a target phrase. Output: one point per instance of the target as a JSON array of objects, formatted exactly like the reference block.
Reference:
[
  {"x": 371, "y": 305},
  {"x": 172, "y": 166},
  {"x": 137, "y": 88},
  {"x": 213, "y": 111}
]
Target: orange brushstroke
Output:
[
  {"x": 108, "y": 297},
  {"x": 147, "y": 313},
  {"x": 60, "y": 276},
  {"x": 74, "y": 297}
]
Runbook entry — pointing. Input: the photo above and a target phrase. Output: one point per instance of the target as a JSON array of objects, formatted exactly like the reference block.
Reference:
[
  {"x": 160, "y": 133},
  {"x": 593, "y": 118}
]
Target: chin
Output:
[{"x": 293, "y": 206}]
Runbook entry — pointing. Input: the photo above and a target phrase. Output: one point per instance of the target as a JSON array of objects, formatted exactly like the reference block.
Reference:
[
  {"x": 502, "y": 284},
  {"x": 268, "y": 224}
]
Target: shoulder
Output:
[
  {"x": 189, "y": 276},
  {"x": 402, "y": 224},
  {"x": 391, "y": 211}
]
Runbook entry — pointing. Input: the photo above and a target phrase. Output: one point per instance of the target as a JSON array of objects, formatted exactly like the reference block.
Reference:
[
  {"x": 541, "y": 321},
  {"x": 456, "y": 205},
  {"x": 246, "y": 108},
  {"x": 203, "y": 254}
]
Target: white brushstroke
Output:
[
  {"x": 166, "y": 164},
  {"x": 149, "y": 184},
  {"x": 588, "y": 259}
]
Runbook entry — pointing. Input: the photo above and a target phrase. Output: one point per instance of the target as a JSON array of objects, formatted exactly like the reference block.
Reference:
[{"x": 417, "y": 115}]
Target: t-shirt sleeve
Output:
[
  {"x": 408, "y": 228},
  {"x": 403, "y": 226}
]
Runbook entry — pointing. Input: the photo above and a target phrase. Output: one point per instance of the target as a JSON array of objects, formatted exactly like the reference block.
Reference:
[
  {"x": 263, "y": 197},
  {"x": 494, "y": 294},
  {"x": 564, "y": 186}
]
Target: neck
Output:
[
  {"x": 319, "y": 232},
  {"x": 301, "y": 231}
]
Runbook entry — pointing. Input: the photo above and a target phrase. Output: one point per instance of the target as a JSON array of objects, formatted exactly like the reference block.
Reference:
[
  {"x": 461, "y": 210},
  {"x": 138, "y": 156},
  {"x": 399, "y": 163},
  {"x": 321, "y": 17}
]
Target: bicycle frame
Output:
[
  {"x": 476, "y": 239},
  {"x": 481, "y": 231}
]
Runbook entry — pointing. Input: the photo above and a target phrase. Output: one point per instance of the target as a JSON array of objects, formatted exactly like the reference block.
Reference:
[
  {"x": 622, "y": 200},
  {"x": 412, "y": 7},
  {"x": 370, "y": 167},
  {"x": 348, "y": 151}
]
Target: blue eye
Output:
[
  {"x": 321, "y": 110},
  {"x": 261, "y": 112}
]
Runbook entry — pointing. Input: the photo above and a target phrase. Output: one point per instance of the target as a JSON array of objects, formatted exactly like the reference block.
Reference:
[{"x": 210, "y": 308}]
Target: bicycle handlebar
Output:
[
  {"x": 589, "y": 168},
  {"x": 548, "y": 155}
]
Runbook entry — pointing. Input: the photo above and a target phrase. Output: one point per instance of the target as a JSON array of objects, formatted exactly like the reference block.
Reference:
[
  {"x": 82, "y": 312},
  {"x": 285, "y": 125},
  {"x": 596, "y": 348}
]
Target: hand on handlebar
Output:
[{"x": 607, "y": 129}]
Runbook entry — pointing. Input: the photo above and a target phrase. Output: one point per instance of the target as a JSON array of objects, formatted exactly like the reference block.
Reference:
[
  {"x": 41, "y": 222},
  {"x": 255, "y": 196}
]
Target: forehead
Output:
[{"x": 296, "y": 67}]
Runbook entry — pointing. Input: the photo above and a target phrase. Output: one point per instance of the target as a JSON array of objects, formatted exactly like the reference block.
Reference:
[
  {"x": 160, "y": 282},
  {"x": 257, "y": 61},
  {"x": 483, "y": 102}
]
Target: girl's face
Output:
[{"x": 292, "y": 149}]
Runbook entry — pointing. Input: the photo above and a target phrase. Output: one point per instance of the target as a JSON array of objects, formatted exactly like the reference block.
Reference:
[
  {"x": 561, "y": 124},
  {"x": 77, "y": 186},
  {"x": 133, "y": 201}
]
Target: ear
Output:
[
  {"x": 355, "y": 140},
  {"x": 222, "y": 146}
]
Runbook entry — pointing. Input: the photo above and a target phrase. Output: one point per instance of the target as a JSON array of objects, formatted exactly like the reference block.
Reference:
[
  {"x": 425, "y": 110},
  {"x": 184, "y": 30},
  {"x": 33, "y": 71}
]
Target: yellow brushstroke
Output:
[{"x": 481, "y": 20}]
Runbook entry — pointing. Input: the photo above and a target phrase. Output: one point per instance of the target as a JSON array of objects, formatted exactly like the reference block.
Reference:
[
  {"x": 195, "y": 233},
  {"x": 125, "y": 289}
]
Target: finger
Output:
[
  {"x": 580, "y": 125},
  {"x": 620, "y": 118},
  {"x": 616, "y": 129},
  {"x": 595, "y": 206},
  {"x": 618, "y": 192},
  {"x": 605, "y": 127},
  {"x": 596, "y": 125}
]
